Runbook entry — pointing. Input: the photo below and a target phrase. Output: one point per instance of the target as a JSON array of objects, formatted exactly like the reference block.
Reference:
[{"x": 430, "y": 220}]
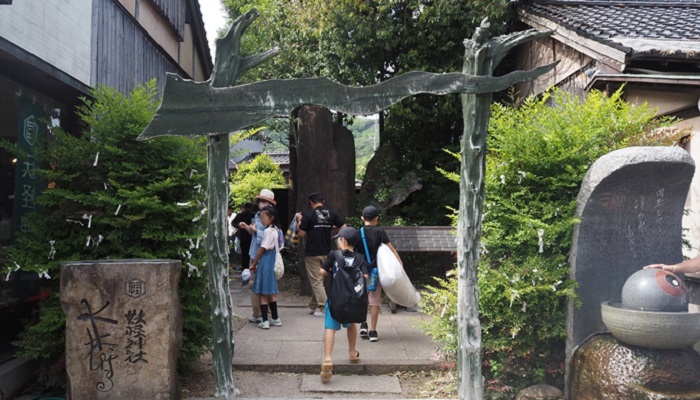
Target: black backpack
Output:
[{"x": 348, "y": 295}]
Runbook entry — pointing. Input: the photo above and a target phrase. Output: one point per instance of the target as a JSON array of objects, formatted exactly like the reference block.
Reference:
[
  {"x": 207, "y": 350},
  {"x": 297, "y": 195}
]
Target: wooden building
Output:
[
  {"x": 51, "y": 53},
  {"x": 650, "y": 46}
]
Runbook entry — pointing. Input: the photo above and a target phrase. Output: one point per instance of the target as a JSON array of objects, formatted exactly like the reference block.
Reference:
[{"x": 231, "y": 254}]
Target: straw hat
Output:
[{"x": 266, "y": 195}]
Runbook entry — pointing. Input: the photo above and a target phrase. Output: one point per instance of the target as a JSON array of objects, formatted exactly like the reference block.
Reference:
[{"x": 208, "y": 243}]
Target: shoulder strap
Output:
[
  {"x": 338, "y": 255},
  {"x": 364, "y": 242}
]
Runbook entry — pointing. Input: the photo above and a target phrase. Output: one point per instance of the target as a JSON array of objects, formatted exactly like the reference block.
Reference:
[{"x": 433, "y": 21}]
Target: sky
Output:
[{"x": 214, "y": 18}]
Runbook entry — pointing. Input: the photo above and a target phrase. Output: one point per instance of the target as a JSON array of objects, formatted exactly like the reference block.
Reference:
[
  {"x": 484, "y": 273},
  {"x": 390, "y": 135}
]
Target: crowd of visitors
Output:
[{"x": 350, "y": 252}]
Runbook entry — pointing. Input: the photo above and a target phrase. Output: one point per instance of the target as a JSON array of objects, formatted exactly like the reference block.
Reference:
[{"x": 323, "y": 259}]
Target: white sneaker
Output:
[
  {"x": 319, "y": 313},
  {"x": 311, "y": 309},
  {"x": 264, "y": 325},
  {"x": 276, "y": 322},
  {"x": 253, "y": 319}
]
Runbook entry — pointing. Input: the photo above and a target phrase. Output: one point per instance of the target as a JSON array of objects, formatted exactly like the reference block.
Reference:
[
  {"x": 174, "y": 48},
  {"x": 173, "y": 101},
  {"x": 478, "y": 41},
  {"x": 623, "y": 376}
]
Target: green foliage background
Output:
[
  {"x": 537, "y": 157},
  {"x": 360, "y": 42},
  {"x": 158, "y": 187},
  {"x": 260, "y": 173}
]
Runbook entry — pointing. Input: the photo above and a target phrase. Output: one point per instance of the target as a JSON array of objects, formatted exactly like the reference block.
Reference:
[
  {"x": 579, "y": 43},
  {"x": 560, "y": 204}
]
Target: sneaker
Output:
[
  {"x": 255, "y": 319},
  {"x": 311, "y": 309},
  {"x": 319, "y": 313},
  {"x": 264, "y": 325},
  {"x": 373, "y": 337},
  {"x": 364, "y": 331},
  {"x": 276, "y": 322}
]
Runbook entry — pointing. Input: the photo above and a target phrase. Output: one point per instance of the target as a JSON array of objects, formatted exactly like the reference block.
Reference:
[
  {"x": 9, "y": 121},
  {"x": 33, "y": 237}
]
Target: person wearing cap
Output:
[
  {"x": 346, "y": 241},
  {"x": 316, "y": 225},
  {"x": 374, "y": 236},
  {"x": 255, "y": 229}
]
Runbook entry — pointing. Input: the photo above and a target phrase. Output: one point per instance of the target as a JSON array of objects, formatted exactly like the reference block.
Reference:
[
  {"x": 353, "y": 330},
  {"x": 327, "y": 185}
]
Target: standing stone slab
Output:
[
  {"x": 630, "y": 208},
  {"x": 123, "y": 328}
]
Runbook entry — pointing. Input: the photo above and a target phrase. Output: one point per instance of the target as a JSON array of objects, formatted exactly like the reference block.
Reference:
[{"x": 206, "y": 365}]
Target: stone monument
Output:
[
  {"x": 631, "y": 206},
  {"x": 123, "y": 328}
]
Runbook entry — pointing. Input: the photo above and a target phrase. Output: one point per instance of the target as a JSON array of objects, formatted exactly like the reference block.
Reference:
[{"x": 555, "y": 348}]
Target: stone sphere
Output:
[{"x": 655, "y": 290}]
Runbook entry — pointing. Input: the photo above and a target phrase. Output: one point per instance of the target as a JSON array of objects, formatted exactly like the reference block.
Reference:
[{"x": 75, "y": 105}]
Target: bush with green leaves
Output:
[
  {"x": 145, "y": 199},
  {"x": 252, "y": 177},
  {"x": 538, "y": 154}
]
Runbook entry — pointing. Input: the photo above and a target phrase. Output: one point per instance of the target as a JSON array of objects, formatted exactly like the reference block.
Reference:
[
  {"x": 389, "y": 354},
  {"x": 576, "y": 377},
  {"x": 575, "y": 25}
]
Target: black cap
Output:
[
  {"x": 349, "y": 234},
  {"x": 370, "y": 213},
  {"x": 316, "y": 197}
]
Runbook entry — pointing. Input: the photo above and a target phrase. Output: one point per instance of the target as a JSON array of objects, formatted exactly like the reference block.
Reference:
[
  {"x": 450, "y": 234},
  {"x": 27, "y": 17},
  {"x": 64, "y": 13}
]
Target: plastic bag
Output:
[
  {"x": 291, "y": 238},
  {"x": 245, "y": 277},
  {"x": 395, "y": 282}
]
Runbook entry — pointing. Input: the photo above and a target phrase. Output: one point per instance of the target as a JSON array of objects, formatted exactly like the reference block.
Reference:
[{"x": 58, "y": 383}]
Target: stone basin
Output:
[{"x": 651, "y": 329}]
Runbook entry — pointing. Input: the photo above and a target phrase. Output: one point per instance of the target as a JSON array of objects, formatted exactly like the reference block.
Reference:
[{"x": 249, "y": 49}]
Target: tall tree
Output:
[{"x": 364, "y": 42}]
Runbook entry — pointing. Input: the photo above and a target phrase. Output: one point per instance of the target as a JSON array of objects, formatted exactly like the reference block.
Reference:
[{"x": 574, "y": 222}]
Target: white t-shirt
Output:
[
  {"x": 269, "y": 238},
  {"x": 231, "y": 229}
]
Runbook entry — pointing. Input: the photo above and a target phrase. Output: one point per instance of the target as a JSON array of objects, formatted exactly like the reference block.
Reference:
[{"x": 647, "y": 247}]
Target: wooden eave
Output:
[
  {"x": 685, "y": 83},
  {"x": 610, "y": 56}
]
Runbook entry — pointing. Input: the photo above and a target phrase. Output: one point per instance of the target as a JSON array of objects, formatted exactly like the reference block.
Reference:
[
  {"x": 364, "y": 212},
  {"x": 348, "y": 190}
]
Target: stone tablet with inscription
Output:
[
  {"x": 123, "y": 328},
  {"x": 631, "y": 207}
]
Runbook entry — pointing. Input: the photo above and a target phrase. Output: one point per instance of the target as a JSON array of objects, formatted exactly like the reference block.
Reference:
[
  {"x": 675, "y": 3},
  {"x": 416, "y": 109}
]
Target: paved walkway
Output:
[{"x": 297, "y": 347}]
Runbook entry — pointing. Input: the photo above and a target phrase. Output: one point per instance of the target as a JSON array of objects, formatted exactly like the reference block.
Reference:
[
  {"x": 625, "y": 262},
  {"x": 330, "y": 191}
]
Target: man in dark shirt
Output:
[{"x": 316, "y": 226}]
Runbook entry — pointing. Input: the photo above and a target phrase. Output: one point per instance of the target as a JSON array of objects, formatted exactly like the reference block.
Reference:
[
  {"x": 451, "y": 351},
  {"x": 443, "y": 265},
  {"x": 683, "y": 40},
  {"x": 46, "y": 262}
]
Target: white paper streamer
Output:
[
  {"x": 192, "y": 268},
  {"x": 97, "y": 157},
  {"x": 89, "y": 218},
  {"x": 45, "y": 274},
  {"x": 540, "y": 233},
  {"x": 199, "y": 188},
  {"x": 77, "y": 222},
  {"x": 192, "y": 171},
  {"x": 191, "y": 244},
  {"x": 52, "y": 252},
  {"x": 99, "y": 240},
  {"x": 503, "y": 179},
  {"x": 119, "y": 207},
  {"x": 105, "y": 185},
  {"x": 89, "y": 239},
  {"x": 197, "y": 245},
  {"x": 183, "y": 204}
]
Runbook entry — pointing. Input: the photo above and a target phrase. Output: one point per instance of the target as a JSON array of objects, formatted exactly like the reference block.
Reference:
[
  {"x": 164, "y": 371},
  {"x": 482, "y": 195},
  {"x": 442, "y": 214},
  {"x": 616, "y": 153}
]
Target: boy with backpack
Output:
[{"x": 347, "y": 297}]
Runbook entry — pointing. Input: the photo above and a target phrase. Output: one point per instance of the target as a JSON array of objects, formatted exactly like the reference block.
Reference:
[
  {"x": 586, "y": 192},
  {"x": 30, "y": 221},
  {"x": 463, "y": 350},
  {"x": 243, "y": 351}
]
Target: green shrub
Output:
[
  {"x": 252, "y": 177},
  {"x": 156, "y": 186},
  {"x": 537, "y": 157}
]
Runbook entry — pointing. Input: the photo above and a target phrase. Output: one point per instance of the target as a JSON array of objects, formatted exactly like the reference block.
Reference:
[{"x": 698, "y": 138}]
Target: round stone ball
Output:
[{"x": 655, "y": 290}]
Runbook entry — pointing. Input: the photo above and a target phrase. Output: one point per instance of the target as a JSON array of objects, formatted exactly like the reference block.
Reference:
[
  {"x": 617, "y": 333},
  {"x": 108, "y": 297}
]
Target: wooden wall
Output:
[{"x": 122, "y": 55}]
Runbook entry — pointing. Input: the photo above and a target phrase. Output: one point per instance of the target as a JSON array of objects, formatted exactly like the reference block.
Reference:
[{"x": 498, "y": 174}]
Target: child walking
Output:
[
  {"x": 346, "y": 240},
  {"x": 373, "y": 237},
  {"x": 263, "y": 265}
]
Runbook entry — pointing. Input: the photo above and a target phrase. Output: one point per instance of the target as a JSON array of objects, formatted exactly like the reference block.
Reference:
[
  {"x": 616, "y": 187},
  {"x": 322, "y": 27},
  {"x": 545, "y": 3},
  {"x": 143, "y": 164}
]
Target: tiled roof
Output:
[
  {"x": 279, "y": 158},
  {"x": 641, "y": 27},
  {"x": 422, "y": 238}
]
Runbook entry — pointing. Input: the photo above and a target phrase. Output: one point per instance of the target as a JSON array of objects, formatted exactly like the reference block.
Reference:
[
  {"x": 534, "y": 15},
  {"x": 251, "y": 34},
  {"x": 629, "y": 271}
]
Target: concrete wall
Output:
[{"x": 57, "y": 31}]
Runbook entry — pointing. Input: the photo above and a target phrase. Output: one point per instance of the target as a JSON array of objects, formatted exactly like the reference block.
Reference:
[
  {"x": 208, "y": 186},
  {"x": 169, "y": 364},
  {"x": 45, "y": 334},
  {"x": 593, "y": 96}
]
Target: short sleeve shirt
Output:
[
  {"x": 349, "y": 256},
  {"x": 375, "y": 236},
  {"x": 269, "y": 237},
  {"x": 318, "y": 224}
]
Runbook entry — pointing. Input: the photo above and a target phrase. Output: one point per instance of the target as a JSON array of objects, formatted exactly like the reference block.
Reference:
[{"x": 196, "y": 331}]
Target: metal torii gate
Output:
[{"x": 216, "y": 107}]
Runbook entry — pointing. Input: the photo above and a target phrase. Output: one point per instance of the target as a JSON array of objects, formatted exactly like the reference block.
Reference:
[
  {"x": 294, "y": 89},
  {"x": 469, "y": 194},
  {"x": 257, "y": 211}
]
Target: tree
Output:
[
  {"x": 260, "y": 173},
  {"x": 538, "y": 154},
  {"x": 133, "y": 200},
  {"x": 365, "y": 42}
]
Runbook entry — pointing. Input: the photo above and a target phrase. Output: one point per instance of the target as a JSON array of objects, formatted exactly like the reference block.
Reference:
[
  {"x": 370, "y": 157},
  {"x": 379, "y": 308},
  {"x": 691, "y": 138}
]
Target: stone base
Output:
[{"x": 605, "y": 368}]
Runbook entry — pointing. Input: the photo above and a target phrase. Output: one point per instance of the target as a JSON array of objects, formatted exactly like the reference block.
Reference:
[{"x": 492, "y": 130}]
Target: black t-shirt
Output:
[
  {"x": 318, "y": 224},
  {"x": 247, "y": 217},
  {"x": 349, "y": 258},
  {"x": 375, "y": 236}
]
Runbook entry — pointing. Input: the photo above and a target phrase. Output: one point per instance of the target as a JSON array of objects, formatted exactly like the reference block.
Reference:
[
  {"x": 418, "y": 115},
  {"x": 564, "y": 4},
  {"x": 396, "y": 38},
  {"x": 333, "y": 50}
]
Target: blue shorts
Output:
[{"x": 330, "y": 323}]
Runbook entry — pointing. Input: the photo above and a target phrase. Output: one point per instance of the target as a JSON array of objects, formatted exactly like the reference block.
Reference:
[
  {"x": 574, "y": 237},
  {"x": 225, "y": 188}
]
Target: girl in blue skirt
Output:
[{"x": 263, "y": 265}]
